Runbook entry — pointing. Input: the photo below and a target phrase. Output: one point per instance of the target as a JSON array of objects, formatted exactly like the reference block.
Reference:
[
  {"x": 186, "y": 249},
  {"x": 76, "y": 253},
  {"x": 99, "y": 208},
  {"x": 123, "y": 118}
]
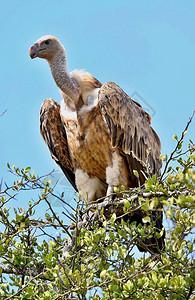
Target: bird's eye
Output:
[{"x": 47, "y": 42}]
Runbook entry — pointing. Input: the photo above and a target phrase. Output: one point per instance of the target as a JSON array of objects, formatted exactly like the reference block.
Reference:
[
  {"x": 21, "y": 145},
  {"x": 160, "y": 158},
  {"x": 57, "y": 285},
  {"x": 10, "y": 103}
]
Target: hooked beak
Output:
[{"x": 33, "y": 51}]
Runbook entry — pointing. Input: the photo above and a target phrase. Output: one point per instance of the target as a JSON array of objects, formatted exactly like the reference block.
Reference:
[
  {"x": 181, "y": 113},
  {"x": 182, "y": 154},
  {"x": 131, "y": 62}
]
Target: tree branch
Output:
[
  {"x": 23, "y": 287},
  {"x": 178, "y": 143},
  {"x": 22, "y": 271},
  {"x": 119, "y": 203},
  {"x": 56, "y": 217}
]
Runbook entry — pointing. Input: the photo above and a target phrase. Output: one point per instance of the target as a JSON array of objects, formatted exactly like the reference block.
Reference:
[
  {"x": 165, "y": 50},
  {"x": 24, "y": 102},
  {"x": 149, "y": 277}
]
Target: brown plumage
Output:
[
  {"x": 54, "y": 135},
  {"x": 98, "y": 135}
]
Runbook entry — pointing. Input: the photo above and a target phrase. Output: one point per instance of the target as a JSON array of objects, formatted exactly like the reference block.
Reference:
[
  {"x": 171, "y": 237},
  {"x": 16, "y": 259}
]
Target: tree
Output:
[{"x": 96, "y": 257}]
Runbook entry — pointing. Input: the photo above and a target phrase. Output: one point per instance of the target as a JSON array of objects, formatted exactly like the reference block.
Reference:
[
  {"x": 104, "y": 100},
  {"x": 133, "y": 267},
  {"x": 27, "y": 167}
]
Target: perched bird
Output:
[{"x": 98, "y": 135}]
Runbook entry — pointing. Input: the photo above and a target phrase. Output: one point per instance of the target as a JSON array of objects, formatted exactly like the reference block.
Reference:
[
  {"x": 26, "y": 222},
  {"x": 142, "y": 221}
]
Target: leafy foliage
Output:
[{"x": 104, "y": 262}]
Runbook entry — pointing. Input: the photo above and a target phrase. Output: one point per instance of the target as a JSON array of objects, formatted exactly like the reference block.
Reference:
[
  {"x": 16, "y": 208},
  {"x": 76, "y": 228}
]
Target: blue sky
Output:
[{"x": 146, "y": 47}]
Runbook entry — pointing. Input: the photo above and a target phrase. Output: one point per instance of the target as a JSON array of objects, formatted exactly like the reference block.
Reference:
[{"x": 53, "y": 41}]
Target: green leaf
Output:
[
  {"x": 122, "y": 188},
  {"x": 27, "y": 169},
  {"x": 116, "y": 246},
  {"x": 115, "y": 289},
  {"x": 103, "y": 274},
  {"x": 112, "y": 235},
  {"x": 105, "y": 223},
  {"x": 128, "y": 286},
  {"x": 162, "y": 157},
  {"x": 102, "y": 212},
  {"x": 126, "y": 203},
  {"x": 113, "y": 218},
  {"x": 48, "y": 217},
  {"x": 154, "y": 277},
  {"x": 116, "y": 190},
  {"x": 146, "y": 219},
  {"x": 192, "y": 274},
  {"x": 135, "y": 172},
  {"x": 22, "y": 225}
]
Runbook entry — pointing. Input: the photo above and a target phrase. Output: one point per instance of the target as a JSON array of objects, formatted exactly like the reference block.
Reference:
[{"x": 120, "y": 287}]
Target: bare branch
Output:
[
  {"x": 178, "y": 143},
  {"x": 119, "y": 203},
  {"x": 23, "y": 271},
  {"x": 24, "y": 286},
  {"x": 56, "y": 217}
]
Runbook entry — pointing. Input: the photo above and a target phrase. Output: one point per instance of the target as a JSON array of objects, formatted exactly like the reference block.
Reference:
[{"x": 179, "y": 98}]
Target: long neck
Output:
[{"x": 66, "y": 83}]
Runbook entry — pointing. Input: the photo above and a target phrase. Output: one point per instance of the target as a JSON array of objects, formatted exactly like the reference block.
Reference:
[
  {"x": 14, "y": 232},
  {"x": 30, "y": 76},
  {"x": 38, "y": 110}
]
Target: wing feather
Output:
[
  {"x": 54, "y": 136},
  {"x": 129, "y": 127}
]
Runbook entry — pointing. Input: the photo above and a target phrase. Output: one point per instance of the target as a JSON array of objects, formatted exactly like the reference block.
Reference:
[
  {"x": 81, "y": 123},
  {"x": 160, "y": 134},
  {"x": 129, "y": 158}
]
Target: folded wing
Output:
[
  {"x": 130, "y": 130},
  {"x": 54, "y": 136}
]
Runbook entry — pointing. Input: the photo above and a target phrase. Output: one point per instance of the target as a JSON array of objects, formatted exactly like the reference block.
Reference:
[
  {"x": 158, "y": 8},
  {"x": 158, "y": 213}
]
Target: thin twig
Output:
[
  {"x": 183, "y": 153},
  {"x": 56, "y": 217},
  {"x": 19, "y": 186},
  {"x": 178, "y": 143},
  {"x": 32, "y": 271},
  {"x": 23, "y": 287}
]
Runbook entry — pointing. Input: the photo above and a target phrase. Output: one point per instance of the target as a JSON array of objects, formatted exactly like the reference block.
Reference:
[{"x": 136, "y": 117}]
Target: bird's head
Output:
[{"x": 46, "y": 47}]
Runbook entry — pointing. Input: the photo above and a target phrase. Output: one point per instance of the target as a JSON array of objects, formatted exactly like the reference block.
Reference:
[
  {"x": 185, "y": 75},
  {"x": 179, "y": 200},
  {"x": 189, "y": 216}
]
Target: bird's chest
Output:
[{"x": 89, "y": 144}]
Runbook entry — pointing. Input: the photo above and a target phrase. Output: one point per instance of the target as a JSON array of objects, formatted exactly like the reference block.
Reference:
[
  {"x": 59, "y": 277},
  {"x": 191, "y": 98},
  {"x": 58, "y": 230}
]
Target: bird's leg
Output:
[
  {"x": 113, "y": 173},
  {"x": 110, "y": 193},
  {"x": 110, "y": 190}
]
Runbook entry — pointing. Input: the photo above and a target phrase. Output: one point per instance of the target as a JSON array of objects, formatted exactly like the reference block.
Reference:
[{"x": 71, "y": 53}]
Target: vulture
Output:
[{"x": 98, "y": 135}]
